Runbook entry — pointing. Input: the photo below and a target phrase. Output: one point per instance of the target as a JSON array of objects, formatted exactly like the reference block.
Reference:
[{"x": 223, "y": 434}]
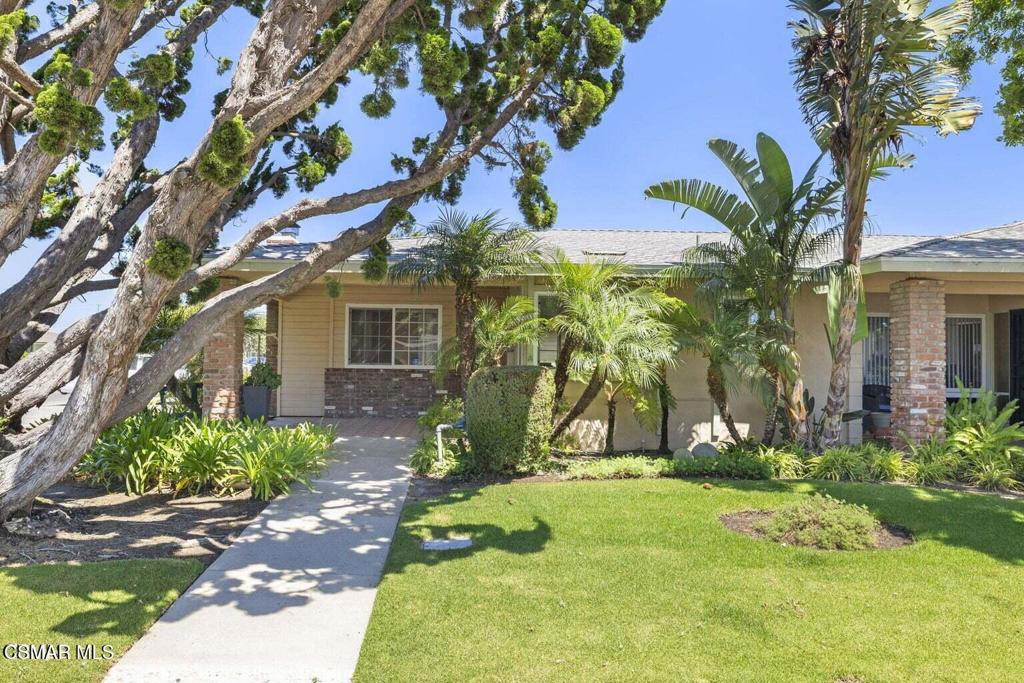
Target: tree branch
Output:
[{"x": 57, "y": 35}]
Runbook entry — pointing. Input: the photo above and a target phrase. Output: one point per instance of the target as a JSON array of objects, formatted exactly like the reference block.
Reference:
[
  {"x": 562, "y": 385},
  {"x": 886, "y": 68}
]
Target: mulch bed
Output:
[
  {"x": 745, "y": 522},
  {"x": 74, "y": 521}
]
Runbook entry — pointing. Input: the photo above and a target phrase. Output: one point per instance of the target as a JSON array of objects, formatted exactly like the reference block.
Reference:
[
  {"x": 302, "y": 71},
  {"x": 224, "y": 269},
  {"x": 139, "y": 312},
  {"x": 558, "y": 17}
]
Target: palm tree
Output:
[
  {"x": 499, "y": 327},
  {"x": 573, "y": 285},
  {"x": 728, "y": 342},
  {"x": 623, "y": 343},
  {"x": 867, "y": 72},
  {"x": 778, "y": 235},
  {"x": 465, "y": 250}
]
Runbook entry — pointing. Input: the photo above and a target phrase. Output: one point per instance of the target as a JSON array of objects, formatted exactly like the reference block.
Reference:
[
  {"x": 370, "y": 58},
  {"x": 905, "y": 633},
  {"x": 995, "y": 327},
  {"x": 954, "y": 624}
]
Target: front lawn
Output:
[
  {"x": 638, "y": 580},
  {"x": 97, "y": 603}
]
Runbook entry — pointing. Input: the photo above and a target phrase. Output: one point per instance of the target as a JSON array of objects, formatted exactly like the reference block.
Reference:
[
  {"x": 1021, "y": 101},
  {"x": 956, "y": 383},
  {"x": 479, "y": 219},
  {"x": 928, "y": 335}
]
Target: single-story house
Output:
[{"x": 940, "y": 308}]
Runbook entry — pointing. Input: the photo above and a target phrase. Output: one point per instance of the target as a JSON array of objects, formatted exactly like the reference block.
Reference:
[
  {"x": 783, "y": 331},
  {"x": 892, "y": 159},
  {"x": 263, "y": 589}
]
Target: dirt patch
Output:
[
  {"x": 746, "y": 522},
  {"x": 76, "y": 522}
]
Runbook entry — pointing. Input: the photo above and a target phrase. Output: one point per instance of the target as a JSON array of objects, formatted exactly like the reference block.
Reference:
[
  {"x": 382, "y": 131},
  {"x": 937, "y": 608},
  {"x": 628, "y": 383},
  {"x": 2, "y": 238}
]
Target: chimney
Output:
[{"x": 285, "y": 236}]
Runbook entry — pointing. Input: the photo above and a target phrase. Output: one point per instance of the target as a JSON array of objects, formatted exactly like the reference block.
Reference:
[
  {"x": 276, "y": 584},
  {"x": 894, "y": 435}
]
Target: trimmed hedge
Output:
[{"x": 508, "y": 418}]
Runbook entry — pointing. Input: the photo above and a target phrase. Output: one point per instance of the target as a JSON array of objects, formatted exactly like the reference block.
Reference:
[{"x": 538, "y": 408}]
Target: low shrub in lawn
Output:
[
  {"x": 822, "y": 522},
  {"x": 508, "y": 419},
  {"x": 734, "y": 463},
  {"x": 155, "y": 450},
  {"x": 623, "y": 467}
]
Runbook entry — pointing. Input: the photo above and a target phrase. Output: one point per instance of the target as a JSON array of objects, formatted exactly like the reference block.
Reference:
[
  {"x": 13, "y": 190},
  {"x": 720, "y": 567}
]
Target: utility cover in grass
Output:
[{"x": 447, "y": 544}]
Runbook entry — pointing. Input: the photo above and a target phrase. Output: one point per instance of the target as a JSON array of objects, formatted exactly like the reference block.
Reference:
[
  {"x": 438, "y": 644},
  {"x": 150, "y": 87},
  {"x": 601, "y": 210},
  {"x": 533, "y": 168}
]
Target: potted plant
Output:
[{"x": 256, "y": 391}]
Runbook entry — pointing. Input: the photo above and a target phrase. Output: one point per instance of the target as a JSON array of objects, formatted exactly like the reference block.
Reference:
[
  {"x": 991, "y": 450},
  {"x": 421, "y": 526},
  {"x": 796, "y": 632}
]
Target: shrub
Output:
[
  {"x": 845, "y": 463},
  {"x": 624, "y": 467},
  {"x": 508, "y": 419},
  {"x": 932, "y": 461},
  {"x": 130, "y": 454},
  {"x": 445, "y": 411},
  {"x": 990, "y": 455},
  {"x": 731, "y": 464},
  {"x": 198, "y": 454},
  {"x": 884, "y": 463},
  {"x": 263, "y": 375},
  {"x": 822, "y": 522},
  {"x": 155, "y": 449},
  {"x": 424, "y": 457},
  {"x": 786, "y": 462},
  {"x": 269, "y": 460}
]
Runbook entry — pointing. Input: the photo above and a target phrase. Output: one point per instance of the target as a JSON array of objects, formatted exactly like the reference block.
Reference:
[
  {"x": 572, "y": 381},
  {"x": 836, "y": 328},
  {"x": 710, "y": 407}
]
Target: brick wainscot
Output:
[{"x": 384, "y": 392}]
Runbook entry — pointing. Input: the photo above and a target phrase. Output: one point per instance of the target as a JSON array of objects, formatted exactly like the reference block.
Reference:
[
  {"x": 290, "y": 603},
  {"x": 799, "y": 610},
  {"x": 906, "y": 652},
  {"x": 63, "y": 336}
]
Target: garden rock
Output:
[
  {"x": 682, "y": 454},
  {"x": 705, "y": 450}
]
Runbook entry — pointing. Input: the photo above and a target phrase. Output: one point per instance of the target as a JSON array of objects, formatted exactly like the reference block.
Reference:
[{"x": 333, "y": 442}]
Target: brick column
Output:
[
  {"x": 222, "y": 367},
  {"x": 917, "y": 357},
  {"x": 273, "y": 315}
]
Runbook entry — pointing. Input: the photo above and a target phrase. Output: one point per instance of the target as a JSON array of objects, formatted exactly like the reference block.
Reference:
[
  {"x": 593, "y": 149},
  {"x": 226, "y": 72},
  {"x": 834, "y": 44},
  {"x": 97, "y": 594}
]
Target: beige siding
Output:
[{"x": 305, "y": 321}]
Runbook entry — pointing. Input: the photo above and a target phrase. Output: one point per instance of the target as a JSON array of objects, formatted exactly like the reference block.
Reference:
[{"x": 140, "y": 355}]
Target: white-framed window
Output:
[
  {"x": 549, "y": 344},
  {"x": 965, "y": 351},
  {"x": 392, "y": 336}
]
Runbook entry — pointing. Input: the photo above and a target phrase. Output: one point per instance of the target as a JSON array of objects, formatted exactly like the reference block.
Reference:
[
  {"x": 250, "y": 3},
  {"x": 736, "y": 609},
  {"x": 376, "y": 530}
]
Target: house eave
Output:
[{"x": 904, "y": 264}]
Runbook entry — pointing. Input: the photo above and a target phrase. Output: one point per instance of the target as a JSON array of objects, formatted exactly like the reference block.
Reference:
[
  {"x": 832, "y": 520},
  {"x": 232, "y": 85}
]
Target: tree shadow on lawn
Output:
[
  {"x": 121, "y": 597},
  {"x": 981, "y": 522},
  {"x": 407, "y": 548}
]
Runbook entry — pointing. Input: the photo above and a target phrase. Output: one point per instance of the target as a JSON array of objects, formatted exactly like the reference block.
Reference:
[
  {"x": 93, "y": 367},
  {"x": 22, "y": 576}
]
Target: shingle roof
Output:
[
  {"x": 642, "y": 248},
  {"x": 1001, "y": 242}
]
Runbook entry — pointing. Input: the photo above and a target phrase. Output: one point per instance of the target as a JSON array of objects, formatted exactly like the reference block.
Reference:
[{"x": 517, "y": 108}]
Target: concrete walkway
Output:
[{"x": 291, "y": 598}]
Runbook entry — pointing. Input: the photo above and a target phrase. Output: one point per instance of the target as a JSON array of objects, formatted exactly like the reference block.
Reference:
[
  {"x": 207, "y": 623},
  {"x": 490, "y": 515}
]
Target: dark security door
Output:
[{"x": 1017, "y": 360}]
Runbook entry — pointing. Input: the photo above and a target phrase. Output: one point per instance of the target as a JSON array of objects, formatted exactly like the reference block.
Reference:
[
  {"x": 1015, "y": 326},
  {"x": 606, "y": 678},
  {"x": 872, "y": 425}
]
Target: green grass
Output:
[
  {"x": 102, "y": 603},
  {"x": 638, "y": 580}
]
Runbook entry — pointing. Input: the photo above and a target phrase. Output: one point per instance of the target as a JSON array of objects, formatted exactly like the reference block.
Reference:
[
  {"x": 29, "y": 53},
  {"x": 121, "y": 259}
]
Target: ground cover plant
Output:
[
  {"x": 822, "y": 522},
  {"x": 89, "y": 604},
  {"x": 154, "y": 450},
  {"x": 639, "y": 580}
]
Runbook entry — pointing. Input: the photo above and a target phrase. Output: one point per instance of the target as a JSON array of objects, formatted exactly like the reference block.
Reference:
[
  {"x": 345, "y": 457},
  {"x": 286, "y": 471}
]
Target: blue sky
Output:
[{"x": 705, "y": 69}]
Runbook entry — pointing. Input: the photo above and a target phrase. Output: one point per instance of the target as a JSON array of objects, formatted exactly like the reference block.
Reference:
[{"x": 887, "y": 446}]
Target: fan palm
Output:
[
  {"x": 465, "y": 250},
  {"x": 622, "y": 343},
  {"x": 867, "y": 73},
  {"x": 778, "y": 234}
]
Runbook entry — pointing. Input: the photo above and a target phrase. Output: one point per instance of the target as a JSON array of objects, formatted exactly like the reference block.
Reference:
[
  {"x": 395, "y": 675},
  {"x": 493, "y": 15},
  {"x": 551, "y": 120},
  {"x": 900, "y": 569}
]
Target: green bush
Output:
[
  {"x": 786, "y": 462},
  {"x": 508, "y": 419},
  {"x": 263, "y": 375},
  {"x": 982, "y": 443},
  {"x": 130, "y": 454},
  {"x": 424, "y": 457},
  {"x": 269, "y": 460},
  {"x": 730, "y": 464},
  {"x": 155, "y": 450},
  {"x": 932, "y": 461},
  {"x": 845, "y": 463},
  {"x": 822, "y": 522},
  {"x": 624, "y": 467},
  {"x": 198, "y": 454}
]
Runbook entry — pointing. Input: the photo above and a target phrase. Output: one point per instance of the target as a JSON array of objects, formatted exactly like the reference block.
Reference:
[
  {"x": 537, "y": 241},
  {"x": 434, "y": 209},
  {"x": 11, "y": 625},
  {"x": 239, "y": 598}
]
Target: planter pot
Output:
[
  {"x": 881, "y": 420},
  {"x": 255, "y": 402}
]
